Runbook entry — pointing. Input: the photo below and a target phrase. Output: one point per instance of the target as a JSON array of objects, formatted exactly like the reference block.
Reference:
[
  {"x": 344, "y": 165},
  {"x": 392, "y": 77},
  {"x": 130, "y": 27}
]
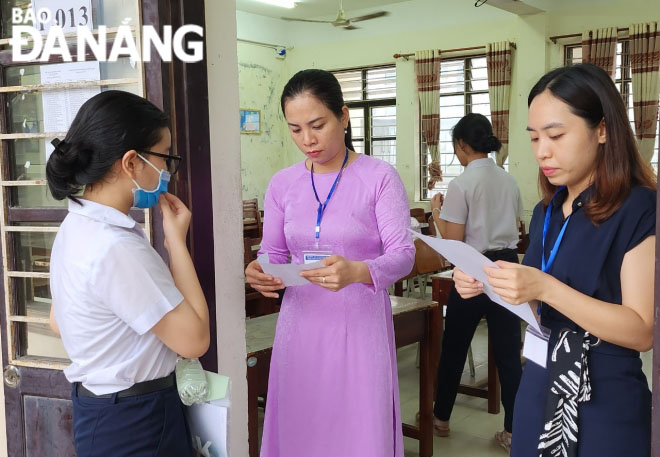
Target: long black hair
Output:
[
  {"x": 106, "y": 127},
  {"x": 475, "y": 130},
  {"x": 591, "y": 94},
  {"x": 324, "y": 86}
]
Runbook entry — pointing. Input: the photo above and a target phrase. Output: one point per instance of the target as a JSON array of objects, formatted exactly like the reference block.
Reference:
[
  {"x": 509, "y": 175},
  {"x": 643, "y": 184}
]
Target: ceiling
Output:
[
  {"x": 307, "y": 9},
  {"x": 327, "y": 9}
]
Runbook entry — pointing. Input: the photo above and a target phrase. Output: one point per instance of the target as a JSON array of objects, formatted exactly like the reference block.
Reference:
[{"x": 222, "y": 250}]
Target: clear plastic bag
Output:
[{"x": 191, "y": 381}]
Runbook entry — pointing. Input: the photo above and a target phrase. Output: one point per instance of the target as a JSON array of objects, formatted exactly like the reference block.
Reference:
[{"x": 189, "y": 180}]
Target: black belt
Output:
[
  {"x": 141, "y": 388},
  {"x": 499, "y": 253}
]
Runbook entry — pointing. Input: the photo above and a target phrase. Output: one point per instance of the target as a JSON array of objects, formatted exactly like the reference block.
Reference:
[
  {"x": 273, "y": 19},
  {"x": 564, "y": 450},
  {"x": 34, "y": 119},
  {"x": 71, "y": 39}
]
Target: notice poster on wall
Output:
[{"x": 60, "y": 106}]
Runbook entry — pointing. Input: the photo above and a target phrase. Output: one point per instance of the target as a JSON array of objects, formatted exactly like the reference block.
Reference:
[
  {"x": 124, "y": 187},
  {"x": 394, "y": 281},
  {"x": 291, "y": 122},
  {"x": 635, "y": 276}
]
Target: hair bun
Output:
[
  {"x": 492, "y": 144},
  {"x": 66, "y": 169}
]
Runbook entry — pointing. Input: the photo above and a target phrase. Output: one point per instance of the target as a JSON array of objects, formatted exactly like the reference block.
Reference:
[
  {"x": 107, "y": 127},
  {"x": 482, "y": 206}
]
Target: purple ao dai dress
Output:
[{"x": 333, "y": 389}]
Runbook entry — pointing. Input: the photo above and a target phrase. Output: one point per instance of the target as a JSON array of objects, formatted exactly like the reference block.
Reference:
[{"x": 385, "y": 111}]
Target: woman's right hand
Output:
[
  {"x": 176, "y": 219},
  {"x": 467, "y": 286},
  {"x": 261, "y": 282},
  {"x": 436, "y": 201}
]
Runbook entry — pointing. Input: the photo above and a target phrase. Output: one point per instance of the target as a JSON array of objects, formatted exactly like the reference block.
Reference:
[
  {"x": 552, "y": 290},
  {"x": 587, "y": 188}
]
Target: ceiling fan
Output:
[{"x": 343, "y": 21}]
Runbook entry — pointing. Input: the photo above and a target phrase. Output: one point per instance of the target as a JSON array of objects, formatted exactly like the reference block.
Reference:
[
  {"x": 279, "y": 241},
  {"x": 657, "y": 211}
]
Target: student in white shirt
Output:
[
  {"x": 123, "y": 315},
  {"x": 482, "y": 207}
]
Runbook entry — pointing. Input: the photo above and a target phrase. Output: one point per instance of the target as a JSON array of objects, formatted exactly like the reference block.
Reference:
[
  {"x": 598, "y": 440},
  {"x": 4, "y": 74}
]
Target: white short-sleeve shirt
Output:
[
  {"x": 109, "y": 288},
  {"x": 486, "y": 199}
]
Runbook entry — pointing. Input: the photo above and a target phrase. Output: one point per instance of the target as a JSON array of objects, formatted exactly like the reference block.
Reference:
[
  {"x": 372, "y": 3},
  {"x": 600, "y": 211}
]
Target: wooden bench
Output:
[{"x": 415, "y": 321}]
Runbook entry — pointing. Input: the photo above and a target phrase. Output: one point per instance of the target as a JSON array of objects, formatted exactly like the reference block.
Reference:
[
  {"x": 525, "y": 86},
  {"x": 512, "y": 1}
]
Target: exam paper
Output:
[
  {"x": 289, "y": 273},
  {"x": 472, "y": 262},
  {"x": 209, "y": 429}
]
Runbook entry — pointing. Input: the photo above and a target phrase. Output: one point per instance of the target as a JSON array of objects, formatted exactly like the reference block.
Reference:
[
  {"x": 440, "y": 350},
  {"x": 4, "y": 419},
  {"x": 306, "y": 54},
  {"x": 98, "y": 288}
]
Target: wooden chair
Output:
[
  {"x": 409, "y": 278},
  {"x": 432, "y": 230},
  {"x": 523, "y": 242},
  {"x": 253, "y": 202},
  {"x": 251, "y": 247},
  {"x": 418, "y": 213},
  {"x": 252, "y": 225},
  {"x": 427, "y": 261}
]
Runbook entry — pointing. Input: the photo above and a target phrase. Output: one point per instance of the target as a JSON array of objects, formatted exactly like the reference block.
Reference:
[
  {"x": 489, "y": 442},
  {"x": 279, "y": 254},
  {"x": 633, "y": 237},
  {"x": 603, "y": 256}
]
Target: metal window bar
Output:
[
  {"x": 364, "y": 90},
  {"x": 463, "y": 90},
  {"x": 12, "y": 215},
  {"x": 383, "y": 132}
]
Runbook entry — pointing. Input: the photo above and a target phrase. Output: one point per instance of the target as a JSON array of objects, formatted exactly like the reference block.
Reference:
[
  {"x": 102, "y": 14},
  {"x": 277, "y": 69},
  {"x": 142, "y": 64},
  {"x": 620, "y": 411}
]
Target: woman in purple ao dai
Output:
[{"x": 333, "y": 387}]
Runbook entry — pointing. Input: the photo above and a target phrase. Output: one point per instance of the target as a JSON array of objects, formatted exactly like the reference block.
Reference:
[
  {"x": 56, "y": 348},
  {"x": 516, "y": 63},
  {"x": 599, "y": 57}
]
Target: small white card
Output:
[
  {"x": 536, "y": 345},
  {"x": 311, "y": 257},
  {"x": 288, "y": 273}
]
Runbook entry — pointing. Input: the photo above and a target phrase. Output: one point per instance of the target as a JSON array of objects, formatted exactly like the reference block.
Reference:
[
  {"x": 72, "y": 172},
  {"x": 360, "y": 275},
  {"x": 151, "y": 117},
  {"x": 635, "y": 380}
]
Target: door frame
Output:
[
  {"x": 192, "y": 183},
  {"x": 187, "y": 104}
]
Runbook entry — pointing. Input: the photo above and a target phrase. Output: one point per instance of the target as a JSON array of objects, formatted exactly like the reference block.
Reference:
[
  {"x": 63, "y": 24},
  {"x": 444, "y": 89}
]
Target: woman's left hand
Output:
[
  {"x": 338, "y": 273},
  {"x": 515, "y": 283}
]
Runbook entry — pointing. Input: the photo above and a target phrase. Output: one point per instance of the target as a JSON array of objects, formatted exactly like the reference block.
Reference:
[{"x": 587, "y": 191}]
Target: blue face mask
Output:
[{"x": 145, "y": 199}]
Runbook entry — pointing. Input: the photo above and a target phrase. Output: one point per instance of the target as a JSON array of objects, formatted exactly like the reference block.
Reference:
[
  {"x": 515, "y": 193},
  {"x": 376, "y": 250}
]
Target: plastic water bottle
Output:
[{"x": 191, "y": 381}]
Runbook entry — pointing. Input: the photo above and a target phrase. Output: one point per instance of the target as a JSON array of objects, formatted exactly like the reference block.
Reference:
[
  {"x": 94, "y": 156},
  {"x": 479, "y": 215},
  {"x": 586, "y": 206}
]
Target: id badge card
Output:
[
  {"x": 316, "y": 253},
  {"x": 536, "y": 345}
]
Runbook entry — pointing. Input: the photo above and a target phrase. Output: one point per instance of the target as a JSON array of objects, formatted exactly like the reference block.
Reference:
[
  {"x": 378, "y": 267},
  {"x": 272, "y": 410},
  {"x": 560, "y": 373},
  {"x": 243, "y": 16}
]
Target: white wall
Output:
[
  {"x": 222, "y": 65},
  {"x": 261, "y": 79},
  {"x": 254, "y": 27},
  {"x": 449, "y": 25}
]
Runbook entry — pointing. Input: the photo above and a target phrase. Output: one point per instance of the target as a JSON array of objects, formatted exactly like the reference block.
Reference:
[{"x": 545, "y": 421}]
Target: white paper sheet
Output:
[
  {"x": 209, "y": 424},
  {"x": 61, "y": 106},
  {"x": 472, "y": 262},
  {"x": 208, "y": 427},
  {"x": 289, "y": 273}
]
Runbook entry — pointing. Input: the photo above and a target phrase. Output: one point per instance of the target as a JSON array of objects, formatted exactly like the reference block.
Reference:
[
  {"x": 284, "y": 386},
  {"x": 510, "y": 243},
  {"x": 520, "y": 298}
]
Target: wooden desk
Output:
[
  {"x": 414, "y": 321},
  {"x": 441, "y": 285}
]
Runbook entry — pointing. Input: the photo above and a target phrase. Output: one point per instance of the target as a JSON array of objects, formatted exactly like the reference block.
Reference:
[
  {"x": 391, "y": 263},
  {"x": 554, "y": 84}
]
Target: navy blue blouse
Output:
[{"x": 589, "y": 258}]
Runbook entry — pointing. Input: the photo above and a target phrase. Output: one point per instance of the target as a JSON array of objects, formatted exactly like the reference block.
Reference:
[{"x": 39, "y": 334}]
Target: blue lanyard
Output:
[
  {"x": 322, "y": 206},
  {"x": 545, "y": 266}
]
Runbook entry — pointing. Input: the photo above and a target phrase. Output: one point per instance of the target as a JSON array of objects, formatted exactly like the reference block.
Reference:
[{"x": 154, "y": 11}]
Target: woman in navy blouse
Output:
[{"x": 589, "y": 271}]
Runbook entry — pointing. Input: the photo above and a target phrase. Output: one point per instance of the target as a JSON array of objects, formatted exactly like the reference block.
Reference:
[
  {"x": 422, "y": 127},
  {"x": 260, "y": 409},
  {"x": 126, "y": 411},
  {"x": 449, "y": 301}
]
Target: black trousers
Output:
[
  {"x": 461, "y": 321},
  {"x": 149, "y": 425}
]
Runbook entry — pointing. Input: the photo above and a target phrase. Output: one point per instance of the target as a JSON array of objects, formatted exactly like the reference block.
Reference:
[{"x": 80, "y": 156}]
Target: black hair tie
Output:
[{"x": 59, "y": 144}]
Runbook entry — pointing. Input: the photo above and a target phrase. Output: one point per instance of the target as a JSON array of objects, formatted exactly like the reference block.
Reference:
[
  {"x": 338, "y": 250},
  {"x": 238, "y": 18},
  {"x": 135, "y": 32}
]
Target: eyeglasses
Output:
[{"x": 171, "y": 161}]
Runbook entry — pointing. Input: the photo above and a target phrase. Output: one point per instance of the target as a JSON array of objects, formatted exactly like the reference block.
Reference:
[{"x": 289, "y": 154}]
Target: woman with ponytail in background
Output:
[
  {"x": 333, "y": 388},
  {"x": 482, "y": 208},
  {"x": 123, "y": 315}
]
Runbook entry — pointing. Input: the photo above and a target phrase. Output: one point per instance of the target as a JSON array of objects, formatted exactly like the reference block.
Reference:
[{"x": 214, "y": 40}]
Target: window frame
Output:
[
  {"x": 623, "y": 82},
  {"x": 366, "y": 105},
  {"x": 425, "y": 193}
]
